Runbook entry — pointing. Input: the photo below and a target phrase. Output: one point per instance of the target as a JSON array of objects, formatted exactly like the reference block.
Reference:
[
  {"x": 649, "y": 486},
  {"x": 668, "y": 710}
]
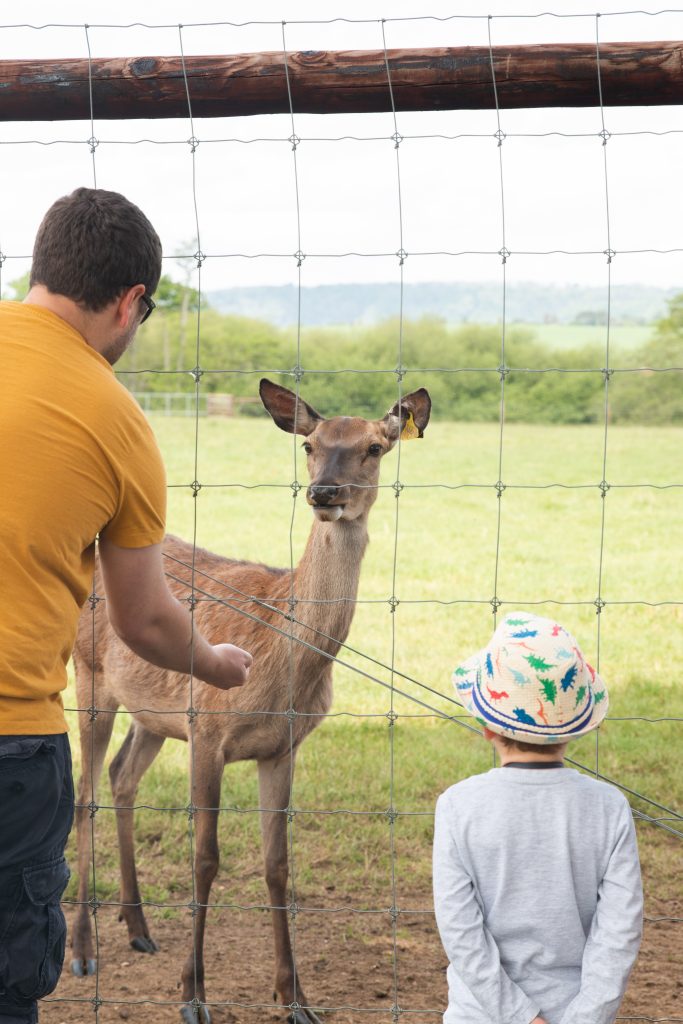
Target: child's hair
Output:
[{"x": 532, "y": 748}]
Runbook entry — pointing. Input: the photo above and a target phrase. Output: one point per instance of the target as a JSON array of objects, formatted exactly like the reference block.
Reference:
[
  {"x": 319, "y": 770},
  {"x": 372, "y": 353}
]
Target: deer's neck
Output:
[{"x": 329, "y": 572}]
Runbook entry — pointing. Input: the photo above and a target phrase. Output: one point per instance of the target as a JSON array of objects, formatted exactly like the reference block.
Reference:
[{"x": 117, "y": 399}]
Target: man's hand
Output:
[
  {"x": 232, "y": 667},
  {"x": 539, "y": 1020}
]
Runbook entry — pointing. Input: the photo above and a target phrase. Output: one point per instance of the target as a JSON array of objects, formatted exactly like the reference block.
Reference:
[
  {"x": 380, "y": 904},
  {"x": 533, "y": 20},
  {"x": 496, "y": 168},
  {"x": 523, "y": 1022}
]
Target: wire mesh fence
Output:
[{"x": 283, "y": 614}]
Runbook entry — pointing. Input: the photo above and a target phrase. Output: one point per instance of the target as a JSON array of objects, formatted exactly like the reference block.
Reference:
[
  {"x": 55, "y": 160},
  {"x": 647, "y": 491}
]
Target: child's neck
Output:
[
  {"x": 508, "y": 756},
  {"x": 512, "y": 755}
]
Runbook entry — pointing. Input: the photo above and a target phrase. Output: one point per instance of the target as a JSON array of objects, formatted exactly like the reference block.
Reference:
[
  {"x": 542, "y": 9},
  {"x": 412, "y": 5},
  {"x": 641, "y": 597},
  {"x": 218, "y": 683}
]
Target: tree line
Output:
[{"x": 467, "y": 368}]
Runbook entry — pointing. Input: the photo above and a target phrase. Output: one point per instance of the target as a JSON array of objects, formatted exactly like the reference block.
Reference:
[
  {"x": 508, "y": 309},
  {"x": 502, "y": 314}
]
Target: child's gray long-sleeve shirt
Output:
[{"x": 538, "y": 897}]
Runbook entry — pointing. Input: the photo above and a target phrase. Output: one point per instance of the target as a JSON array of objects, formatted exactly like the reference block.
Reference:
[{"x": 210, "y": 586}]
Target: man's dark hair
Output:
[{"x": 92, "y": 245}]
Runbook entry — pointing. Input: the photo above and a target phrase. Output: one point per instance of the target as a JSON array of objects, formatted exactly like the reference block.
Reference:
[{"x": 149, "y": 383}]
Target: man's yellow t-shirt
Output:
[{"x": 77, "y": 458}]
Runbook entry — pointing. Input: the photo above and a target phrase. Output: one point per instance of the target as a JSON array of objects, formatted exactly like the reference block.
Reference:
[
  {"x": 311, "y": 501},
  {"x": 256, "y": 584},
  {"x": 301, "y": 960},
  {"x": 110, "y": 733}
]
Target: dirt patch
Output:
[{"x": 349, "y": 961}]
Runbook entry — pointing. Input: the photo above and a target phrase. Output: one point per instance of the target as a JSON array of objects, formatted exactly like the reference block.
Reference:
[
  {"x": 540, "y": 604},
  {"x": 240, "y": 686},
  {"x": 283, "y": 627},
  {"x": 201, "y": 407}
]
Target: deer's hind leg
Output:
[
  {"x": 95, "y": 732},
  {"x": 134, "y": 757}
]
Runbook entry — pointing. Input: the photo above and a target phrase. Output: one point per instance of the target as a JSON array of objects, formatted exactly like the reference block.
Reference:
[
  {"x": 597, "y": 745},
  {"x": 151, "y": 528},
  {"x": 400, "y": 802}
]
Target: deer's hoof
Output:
[
  {"x": 81, "y": 967},
  {"x": 144, "y": 944},
  {"x": 190, "y": 1014}
]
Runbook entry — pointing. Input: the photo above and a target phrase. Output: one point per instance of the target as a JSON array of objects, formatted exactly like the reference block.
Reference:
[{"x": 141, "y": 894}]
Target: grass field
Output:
[
  {"x": 549, "y": 557},
  {"x": 623, "y": 338}
]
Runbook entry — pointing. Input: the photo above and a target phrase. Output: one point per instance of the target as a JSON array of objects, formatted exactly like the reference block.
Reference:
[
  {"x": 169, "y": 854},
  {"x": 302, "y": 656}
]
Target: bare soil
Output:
[{"x": 349, "y": 962}]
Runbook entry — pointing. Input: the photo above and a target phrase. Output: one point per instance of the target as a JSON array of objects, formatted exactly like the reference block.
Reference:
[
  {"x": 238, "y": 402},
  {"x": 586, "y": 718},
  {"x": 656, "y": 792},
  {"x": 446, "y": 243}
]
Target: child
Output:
[{"x": 537, "y": 884}]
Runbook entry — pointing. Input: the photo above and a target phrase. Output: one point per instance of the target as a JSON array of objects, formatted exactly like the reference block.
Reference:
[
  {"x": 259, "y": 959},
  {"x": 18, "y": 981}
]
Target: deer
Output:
[{"x": 291, "y": 672}]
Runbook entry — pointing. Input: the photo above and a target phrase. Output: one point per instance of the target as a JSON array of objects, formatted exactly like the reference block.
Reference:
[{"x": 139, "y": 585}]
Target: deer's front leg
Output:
[
  {"x": 206, "y": 793},
  {"x": 275, "y": 790}
]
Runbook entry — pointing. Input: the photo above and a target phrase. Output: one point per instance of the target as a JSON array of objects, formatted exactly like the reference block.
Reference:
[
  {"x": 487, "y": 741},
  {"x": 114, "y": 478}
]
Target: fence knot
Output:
[
  {"x": 604, "y": 487},
  {"x": 2, "y": 257},
  {"x": 393, "y": 603},
  {"x": 192, "y": 602},
  {"x": 402, "y": 257},
  {"x": 391, "y": 814},
  {"x": 400, "y": 372},
  {"x": 495, "y": 604},
  {"x": 500, "y": 136},
  {"x": 191, "y": 810},
  {"x": 93, "y": 808},
  {"x": 504, "y": 254},
  {"x": 93, "y": 601},
  {"x": 297, "y": 372},
  {"x": 94, "y": 903},
  {"x": 599, "y": 605},
  {"x": 93, "y": 712},
  {"x": 606, "y": 373},
  {"x": 191, "y": 714},
  {"x": 196, "y": 488},
  {"x": 605, "y": 136},
  {"x": 396, "y": 1012},
  {"x": 96, "y": 1002},
  {"x": 500, "y": 487},
  {"x": 196, "y": 373},
  {"x": 397, "y": 487},
  {"x": 196, "y": 1005},
  {"x": 503, "y": 371},
  {"x": 193, "y": 142},
  {"x": 199, "y": 257},
  {"x": 293, "y": 909},
  {"x": 194, "y": 906},
  {"x": 392, "y": 716},
  {"x": 294, "y": 140},
  {"x": 299, "y": 256},
  {"x": 610, "y": 254},
  {"x": 93, "y": 143},
  {"x": 396, "y": 139},
  {"x": 291, "y": 714}
]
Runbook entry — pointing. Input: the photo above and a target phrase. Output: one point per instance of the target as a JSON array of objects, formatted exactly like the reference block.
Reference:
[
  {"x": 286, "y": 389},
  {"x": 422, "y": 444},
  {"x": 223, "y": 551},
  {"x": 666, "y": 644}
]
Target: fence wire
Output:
[{"x": 429, "y": 704}]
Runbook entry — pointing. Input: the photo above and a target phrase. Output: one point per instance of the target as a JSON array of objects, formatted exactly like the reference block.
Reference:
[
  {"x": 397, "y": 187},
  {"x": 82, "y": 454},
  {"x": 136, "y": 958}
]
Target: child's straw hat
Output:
[{"x": 532, "y": 683}]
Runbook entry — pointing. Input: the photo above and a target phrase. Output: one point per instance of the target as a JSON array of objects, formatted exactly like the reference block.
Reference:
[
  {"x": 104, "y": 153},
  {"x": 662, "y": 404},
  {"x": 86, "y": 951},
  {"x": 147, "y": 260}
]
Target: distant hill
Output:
[{"x": 459, "y": 302}]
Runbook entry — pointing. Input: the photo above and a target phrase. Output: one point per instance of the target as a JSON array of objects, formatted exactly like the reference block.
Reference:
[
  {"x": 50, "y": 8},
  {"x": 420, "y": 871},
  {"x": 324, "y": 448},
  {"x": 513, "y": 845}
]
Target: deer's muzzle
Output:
[{"x": 324, "y": 495}]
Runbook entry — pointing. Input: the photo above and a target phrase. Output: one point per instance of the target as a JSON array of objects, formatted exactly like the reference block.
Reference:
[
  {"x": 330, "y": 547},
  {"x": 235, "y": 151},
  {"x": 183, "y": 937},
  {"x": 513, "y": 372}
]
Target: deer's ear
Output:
[
  {"x": 289, "y": 412},
  {"x": 409, "y": 417}
]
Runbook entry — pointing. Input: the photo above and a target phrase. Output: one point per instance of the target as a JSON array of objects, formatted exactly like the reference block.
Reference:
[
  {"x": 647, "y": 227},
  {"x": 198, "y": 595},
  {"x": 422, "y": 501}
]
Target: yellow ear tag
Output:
[{"x": 410, "y": 430}]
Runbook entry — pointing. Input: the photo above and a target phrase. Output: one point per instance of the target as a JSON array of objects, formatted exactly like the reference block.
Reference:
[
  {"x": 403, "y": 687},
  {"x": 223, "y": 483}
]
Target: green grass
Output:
[
  {"x": 549, "y": 557},
  {"x": 623, "y": 338}
]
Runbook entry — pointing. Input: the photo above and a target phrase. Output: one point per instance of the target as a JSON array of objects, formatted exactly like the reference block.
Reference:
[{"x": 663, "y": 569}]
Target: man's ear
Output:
[
  {"x": 128, "y": 305},
  {"x": 289, "y": 412},
  {"x": 408, "y": 418}
]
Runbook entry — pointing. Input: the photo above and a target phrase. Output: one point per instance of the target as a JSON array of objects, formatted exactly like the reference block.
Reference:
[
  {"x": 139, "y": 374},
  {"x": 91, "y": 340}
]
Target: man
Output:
[{"x": 78, "y": 460}]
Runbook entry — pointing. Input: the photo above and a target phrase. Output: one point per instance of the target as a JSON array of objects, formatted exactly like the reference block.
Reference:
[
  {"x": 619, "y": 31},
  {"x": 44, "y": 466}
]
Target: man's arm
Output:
[
  {"x": 469, "y": 945},
  {"x": 150, "y": 621},
  {"x": 614, "y": 938}
]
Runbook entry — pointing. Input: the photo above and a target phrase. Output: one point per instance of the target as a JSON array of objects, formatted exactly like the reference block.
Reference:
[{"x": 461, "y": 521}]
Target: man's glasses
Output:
[{"x": 151, "y": 306}]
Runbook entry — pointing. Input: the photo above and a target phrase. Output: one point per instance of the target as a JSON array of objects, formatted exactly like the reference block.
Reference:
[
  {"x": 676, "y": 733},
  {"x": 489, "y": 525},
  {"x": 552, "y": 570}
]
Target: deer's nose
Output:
[{"x": 323, "y": 494}]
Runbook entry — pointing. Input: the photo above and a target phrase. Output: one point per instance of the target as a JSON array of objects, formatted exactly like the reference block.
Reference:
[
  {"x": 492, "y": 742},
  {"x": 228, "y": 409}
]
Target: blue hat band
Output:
[{"x": 526, "y": 723}]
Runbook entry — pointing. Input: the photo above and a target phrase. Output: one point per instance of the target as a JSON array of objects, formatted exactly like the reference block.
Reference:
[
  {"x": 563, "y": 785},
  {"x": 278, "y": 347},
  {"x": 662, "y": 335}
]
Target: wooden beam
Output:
[{"x": 343, "y": 82}]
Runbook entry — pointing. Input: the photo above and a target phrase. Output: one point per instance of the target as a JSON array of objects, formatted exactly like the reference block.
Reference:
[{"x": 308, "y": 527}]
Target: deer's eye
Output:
[
  {"x": 375, "y": 449},
  {"x": 307, "y": 447}
]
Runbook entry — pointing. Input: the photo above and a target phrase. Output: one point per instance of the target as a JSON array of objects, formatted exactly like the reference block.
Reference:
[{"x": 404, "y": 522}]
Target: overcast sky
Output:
[{"x": 554, "y": 184}]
